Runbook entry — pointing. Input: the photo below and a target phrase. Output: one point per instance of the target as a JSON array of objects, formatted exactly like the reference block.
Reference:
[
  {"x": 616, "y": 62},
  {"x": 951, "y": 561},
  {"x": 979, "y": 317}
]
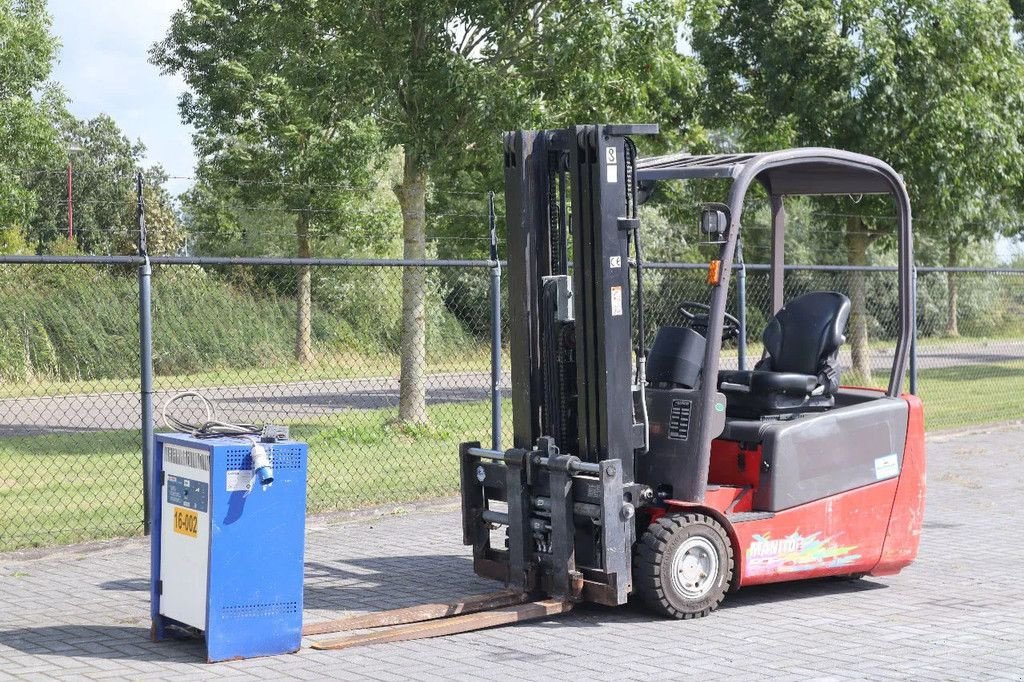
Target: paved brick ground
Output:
[{"x": 957, "y": 613}]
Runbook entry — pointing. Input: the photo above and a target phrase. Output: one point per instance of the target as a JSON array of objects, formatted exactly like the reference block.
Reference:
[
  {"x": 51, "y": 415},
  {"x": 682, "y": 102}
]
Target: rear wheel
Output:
[{"x": 683, "y": 565}]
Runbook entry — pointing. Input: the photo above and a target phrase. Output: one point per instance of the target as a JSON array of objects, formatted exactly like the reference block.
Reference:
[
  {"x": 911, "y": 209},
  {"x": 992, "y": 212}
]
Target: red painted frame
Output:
[{"x": 874, "y": 529}]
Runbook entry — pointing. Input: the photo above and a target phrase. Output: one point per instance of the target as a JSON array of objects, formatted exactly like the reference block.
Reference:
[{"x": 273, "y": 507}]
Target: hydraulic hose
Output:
[{"x": 641, "y": 323}]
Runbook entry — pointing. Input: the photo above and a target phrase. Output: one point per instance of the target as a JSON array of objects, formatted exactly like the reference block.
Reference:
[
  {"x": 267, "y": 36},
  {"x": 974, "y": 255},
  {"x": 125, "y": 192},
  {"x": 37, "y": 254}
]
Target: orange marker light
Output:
[{"x": 714, "y": 273}]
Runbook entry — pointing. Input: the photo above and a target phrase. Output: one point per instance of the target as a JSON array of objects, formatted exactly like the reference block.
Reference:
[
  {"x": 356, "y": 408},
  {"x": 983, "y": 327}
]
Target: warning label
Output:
[
  {"x": 887, "y": 467},
  {"x": 616, "y": 293}
]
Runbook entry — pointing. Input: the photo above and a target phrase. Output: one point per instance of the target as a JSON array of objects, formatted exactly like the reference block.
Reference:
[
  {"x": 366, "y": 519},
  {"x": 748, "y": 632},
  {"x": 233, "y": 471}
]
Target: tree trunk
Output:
[
  {"x": 304, "y": 313},
  {"x": 412, "y": 194},
  {"x": 857, "y": 242},
  {"x": 953, "y": 289}
]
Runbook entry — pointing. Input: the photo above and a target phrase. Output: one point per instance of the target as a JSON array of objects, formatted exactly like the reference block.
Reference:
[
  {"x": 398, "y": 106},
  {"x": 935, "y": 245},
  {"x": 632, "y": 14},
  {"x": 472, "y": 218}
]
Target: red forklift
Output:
[
  {"x": 658, "y": 473},
  {"x": 655, "y": 473}
]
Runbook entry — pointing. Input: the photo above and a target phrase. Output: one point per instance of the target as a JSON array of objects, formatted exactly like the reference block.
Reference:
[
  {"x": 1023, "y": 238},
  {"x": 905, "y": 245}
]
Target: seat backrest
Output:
[{"x": 806, "y": 334}]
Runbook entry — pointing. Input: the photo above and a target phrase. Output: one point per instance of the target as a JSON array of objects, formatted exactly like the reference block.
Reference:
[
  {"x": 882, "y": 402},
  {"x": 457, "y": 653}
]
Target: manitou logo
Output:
[
  {"x": 764, "y": 546},
  {"x": 795, "y": 553}
]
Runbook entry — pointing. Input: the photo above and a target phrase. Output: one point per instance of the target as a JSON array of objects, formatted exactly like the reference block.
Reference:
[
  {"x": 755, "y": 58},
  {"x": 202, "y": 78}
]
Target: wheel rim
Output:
[{"x": 694, "y": 568}]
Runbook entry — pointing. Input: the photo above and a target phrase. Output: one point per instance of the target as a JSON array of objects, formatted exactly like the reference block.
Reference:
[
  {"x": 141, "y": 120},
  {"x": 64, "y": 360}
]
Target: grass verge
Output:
[
  {"x": 347, "y": 366},
  {"x": 69, "y": 487}
]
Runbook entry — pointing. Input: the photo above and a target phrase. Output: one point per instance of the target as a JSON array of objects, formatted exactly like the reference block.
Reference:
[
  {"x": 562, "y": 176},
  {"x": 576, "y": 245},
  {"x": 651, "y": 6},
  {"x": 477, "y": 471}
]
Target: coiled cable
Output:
[{"x": 212, "y": 427}]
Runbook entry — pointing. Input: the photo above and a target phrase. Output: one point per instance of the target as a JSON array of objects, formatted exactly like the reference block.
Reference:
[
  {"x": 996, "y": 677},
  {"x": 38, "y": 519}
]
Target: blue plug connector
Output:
[{"x": 261, "y": 465}]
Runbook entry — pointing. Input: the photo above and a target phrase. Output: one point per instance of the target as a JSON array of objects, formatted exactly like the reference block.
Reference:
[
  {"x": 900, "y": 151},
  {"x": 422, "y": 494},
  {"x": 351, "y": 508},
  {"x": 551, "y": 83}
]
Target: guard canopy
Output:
[{"x": 806, "y": 171}]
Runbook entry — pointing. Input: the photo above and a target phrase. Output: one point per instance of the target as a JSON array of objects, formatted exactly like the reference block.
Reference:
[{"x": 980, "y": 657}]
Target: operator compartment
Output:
[
  {"x": 784, "y": 433},
  {"x": 808, "y": 438}
]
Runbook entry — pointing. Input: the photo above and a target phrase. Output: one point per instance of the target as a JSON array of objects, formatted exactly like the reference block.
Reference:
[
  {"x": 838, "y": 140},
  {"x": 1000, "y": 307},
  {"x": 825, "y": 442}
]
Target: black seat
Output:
[{"x": 798, "y": 372}]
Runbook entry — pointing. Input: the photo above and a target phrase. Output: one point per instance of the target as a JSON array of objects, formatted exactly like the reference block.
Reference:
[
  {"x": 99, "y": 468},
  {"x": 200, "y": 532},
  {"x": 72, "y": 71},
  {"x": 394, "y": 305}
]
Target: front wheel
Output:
[{"x": 683, "y": 565}]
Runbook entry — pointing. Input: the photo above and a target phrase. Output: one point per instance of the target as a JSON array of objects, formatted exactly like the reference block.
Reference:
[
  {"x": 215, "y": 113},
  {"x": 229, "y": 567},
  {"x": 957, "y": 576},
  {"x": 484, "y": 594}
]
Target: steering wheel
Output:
[{"x": 699, "y": 322}]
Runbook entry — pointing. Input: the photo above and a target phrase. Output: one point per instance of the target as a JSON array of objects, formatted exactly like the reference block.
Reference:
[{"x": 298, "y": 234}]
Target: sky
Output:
[{"x": 104, "y": 67}]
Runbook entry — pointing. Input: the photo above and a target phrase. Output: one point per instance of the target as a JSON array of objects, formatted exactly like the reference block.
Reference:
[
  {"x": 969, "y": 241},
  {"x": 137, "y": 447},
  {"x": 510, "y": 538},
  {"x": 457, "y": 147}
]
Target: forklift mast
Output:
[
  {"x": 565, "y": 493},
  {"x": 571, "y": 353}
]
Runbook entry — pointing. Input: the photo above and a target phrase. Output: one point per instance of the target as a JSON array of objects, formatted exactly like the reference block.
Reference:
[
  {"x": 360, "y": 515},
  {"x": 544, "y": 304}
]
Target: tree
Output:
[
  {"x": 103, "y": 192},
  {"x": 439, "y": 79},
  {"x": 28, "y": 107},
  {"x": 36, "y": 135},
  {"x": 269, "y": 131},
  {"x": 932, "y": 87}
]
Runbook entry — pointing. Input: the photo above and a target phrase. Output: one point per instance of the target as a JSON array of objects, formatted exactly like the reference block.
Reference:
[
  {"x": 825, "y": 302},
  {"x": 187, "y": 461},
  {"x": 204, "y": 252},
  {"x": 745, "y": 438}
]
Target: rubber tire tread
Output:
[{"x": 651, "y": 553}]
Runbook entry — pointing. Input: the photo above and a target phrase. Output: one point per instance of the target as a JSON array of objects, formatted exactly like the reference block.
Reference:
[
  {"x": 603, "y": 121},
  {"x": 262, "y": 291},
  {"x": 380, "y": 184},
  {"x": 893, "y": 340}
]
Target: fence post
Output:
[
  {"x": 495, "y": 327},
  {"x": 145, "y": 356},
  {"x": 913, "y": 331},
  {"x": 741, "y": 306}
]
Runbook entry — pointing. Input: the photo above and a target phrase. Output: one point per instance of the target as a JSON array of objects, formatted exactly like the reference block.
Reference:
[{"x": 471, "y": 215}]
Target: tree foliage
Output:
[
  {"x": 37, "y": 135},
  {"x": 934, "y": 87},
  {"x": 103, "y": 165},
  {"x": 298, "y": 86},
  {"x": 28, "y": 107}
]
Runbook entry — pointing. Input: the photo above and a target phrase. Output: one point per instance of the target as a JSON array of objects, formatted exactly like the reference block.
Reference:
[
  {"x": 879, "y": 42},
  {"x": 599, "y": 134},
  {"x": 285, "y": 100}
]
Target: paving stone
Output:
[{"x": 83, "y": 612}]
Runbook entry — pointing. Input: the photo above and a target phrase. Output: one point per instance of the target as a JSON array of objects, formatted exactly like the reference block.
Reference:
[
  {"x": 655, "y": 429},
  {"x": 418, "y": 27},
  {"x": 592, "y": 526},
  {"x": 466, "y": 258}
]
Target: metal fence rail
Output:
[{"x": 72, "y": 393}]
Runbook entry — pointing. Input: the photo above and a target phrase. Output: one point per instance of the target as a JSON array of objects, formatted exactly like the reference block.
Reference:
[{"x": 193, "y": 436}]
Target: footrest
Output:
[{"x": 742, "y": 517}]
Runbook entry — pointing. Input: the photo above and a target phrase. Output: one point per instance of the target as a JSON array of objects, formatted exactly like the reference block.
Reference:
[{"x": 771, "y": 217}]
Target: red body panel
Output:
[
  {"x": 835, "y": 536},
  {"x": 904, "y": 533},
  {"x": 733, "y": 465},
  {"x": 874, "y": 529}
]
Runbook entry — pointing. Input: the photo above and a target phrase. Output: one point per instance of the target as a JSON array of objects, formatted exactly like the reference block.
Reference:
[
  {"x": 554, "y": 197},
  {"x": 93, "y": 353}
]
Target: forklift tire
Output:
[{"x": 683, "y": 565}]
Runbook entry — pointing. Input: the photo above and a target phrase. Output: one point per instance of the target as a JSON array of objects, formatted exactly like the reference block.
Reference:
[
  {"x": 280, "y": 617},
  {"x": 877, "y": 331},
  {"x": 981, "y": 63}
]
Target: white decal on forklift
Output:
[
  {"x": 615, "y": 261},
  {"x": 886, "y": 467},
  {"x": 616, "y": 301},
  {"x": 611, "y": 160}
]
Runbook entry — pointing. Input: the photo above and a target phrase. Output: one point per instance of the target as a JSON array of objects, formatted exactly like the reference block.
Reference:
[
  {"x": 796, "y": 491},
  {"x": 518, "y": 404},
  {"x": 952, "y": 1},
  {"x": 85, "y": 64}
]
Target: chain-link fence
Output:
[
  {"x": 319, "y": 347},
  {"x": 263, "y": 348},
  {"x": 969, "y": 352}
]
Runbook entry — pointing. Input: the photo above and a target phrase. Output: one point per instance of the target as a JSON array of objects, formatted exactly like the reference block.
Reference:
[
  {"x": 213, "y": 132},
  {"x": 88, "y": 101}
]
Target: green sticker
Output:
[{"x": 719, "y": 407}]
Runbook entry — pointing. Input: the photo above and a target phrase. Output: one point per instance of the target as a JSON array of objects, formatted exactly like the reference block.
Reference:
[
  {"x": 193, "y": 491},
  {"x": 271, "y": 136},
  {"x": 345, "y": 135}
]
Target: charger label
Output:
[{"x": 239, "y": 480}]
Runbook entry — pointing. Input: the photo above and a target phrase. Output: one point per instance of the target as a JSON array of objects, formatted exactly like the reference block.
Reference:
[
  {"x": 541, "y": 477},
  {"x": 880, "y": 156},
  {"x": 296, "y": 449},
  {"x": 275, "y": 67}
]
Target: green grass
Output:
[
  {"x": 352, "y": 365},
  {"x": 968, "y": 395},
  {"x": 61, "y": 488},
  {"x": 68, "y": 487}
]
